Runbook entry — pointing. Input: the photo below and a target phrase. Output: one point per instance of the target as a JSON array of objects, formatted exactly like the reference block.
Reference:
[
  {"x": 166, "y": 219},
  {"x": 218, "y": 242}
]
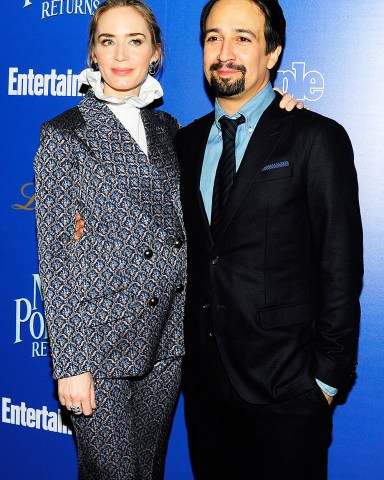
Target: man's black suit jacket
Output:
[{"x": 280, "y": 288}]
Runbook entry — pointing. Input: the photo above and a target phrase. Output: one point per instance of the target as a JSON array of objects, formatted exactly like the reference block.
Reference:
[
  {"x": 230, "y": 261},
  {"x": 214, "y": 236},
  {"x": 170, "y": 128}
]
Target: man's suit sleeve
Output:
[
  {"x": 56, "y": 206},
  {"x": 336, "y": 230}
]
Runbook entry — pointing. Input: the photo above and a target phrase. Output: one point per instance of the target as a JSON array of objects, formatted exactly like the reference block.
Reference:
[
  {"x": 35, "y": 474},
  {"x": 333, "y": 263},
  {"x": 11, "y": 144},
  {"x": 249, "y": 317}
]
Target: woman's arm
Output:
[{"x": 56, "y": 205}]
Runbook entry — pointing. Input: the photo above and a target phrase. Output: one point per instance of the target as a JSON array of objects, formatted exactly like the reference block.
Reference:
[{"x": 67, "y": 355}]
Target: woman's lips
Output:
[{"x": 122, "y": 71}]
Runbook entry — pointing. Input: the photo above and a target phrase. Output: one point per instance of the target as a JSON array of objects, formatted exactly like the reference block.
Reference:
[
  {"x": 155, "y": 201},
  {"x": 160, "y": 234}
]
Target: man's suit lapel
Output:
[
  {"x": 262, "y": 144},
  {"x": 197, "y": 158}
]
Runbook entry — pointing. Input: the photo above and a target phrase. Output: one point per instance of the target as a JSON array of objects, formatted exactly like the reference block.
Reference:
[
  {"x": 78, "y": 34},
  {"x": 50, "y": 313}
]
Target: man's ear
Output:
[{"x": 274, "y": 57}]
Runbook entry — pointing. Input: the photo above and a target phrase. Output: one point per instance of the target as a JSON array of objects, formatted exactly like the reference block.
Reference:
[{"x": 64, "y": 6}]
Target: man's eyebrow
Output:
[
  {"x": 243, "y": 30},
  {"x": 237, "y": 30},
  {"x": 111, "y": 35}
]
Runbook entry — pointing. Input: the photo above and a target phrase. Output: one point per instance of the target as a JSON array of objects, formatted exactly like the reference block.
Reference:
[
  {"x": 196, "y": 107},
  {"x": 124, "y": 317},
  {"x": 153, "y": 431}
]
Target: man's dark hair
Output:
[{"x": 274, "y": 30}]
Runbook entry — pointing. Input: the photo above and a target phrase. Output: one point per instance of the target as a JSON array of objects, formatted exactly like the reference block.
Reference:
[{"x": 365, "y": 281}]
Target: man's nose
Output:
[{"x": 226, "y": 53}]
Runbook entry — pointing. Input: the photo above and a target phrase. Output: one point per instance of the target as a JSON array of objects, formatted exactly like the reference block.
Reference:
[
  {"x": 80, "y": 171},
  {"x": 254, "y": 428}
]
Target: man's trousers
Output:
[{"x": 231, "y": 439}]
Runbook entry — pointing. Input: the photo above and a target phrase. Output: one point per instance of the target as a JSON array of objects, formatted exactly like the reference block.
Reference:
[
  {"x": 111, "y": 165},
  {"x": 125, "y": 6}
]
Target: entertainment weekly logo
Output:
[
  {"x": 305, "y": 85},
  {"x": 30, "y": 323},
  {"x": 38, "y": 418},
  {"x": 54, "y": 8},
  {"x": 53, "y": 84}
]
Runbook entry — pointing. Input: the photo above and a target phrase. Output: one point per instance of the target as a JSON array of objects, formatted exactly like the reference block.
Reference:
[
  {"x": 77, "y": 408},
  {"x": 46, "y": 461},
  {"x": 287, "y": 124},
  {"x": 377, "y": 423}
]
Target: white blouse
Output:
[{"x": 126, "y": 109}]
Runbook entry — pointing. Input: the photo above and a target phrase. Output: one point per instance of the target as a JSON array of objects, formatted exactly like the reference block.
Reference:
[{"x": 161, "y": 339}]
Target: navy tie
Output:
[{"x": 226, "y": 171}]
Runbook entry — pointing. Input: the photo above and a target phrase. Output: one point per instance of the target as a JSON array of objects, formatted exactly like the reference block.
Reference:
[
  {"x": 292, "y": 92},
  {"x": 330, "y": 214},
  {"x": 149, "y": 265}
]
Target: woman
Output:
[{"x": 114, "y": 300}]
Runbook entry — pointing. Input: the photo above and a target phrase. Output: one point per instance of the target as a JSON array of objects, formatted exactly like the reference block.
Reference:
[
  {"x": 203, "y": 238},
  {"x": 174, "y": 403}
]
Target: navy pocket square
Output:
[{"x": 273, "y": 166}]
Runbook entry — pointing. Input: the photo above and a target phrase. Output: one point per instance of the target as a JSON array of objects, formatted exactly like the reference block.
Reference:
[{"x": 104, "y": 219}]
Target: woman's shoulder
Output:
[
  {"x": 66, "y": 121},
  {"x": 162, "y": 116},
  {"x": 163, "y": 121}
]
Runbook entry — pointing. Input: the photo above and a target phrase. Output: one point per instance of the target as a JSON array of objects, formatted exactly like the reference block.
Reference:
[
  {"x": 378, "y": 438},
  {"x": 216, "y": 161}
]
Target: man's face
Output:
[{"x": 235, "y": 62}]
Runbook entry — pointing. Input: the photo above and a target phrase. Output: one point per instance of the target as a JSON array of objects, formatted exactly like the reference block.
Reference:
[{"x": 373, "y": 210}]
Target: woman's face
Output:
[{"x": 123, "y": 51}]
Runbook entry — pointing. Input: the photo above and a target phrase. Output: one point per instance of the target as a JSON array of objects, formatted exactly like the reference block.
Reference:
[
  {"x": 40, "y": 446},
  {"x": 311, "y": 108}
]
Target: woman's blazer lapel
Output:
[
  {"x": 108, "y": 139},
  {"x": 162, "y": 154}
]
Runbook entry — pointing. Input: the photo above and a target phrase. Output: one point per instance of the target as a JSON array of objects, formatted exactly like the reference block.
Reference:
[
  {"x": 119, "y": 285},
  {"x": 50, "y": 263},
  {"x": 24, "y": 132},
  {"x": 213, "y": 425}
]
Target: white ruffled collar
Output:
[{"x": 150, "y": 90}]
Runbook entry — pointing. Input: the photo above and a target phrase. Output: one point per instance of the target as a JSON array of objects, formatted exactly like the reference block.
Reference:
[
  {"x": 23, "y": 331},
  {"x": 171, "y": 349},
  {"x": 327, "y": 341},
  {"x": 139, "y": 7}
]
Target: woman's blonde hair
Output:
[{"x": 144, "y": 11}]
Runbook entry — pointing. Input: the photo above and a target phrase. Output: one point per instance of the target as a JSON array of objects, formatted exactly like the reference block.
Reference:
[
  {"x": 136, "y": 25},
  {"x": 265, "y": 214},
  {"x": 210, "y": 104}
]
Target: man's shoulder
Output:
[
  {"x": 310, "y": 120},
  {"x": 199, "y": 124},
  {"x": 316, "y": 118}
]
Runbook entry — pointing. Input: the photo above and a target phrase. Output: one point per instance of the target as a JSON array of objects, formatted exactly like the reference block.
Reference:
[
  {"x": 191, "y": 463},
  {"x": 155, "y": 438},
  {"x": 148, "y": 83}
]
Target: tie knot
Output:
[{"x": 229, "y": 125}]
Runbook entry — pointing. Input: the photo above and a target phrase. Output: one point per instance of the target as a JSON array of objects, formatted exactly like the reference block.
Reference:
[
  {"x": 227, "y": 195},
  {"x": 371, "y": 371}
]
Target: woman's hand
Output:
[
  {"x": 288, "y": 101},
  {"x": 79, "y": 229},
  {"x": 77, "y": 393}
]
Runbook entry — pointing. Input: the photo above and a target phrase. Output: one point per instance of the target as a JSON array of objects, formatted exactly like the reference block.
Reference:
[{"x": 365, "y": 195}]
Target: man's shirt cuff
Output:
[{"x": 326, "y": 388}]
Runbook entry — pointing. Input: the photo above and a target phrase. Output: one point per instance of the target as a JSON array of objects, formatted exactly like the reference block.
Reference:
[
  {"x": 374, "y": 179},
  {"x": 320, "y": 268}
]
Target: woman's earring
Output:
[
  {"x": 152, "y": 68},
  {"x": 94, "y": 66}
]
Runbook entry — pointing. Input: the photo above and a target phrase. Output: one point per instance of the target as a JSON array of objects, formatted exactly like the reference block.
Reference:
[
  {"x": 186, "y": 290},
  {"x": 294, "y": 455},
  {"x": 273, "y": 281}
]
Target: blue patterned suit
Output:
[{"x": 114, "y": 300}]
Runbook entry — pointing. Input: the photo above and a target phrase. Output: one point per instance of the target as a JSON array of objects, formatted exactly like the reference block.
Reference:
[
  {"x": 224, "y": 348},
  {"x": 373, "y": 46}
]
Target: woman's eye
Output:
[
  {"x": 107, "y": 41},
  {"x": 136, "y": 41}
]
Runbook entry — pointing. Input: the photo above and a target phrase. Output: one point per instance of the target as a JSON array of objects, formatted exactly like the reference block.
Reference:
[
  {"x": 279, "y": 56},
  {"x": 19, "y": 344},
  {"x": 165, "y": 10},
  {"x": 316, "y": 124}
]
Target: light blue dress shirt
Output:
[{"x": 252, "y": 112}]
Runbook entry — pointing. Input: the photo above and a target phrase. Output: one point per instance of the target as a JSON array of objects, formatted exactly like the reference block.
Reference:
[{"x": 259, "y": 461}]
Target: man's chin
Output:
[
  {"x": 221, "y": 94},
  {"x": 227, "y": 87}
]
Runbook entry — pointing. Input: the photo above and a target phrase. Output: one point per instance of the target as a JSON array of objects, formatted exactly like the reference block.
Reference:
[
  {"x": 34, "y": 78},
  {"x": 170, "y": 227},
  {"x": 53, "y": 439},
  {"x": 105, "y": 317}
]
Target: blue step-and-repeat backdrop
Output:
[{"x": 333, "y": 61}]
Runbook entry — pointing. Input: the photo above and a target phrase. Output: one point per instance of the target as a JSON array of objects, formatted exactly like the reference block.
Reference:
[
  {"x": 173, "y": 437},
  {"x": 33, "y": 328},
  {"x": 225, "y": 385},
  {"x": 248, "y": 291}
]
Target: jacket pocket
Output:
[
  {"x": 109, "y": 308},
  {"x": 285, "y": 315},
  {"x": 274, "y": 174}
]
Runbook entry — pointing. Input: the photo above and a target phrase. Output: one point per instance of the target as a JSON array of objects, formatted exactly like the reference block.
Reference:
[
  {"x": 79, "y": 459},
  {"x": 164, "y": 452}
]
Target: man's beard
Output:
[{"x": 225, "y": 87}]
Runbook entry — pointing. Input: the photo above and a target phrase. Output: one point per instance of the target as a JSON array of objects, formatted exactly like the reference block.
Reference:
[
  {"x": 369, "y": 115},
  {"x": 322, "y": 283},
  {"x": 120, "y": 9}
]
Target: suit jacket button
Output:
[
  {"x": 179, "y": 288},
  {"x": 153, "y": 301},
  {"x": 178, "y": 243},
  {"x": 148, "y": 253},
  {"x": 215, "y": 260}
]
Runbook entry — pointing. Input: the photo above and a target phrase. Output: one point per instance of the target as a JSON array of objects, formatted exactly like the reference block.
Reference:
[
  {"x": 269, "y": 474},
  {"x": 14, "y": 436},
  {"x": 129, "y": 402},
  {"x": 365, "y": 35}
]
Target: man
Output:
[{"x": 274, "y": 262}]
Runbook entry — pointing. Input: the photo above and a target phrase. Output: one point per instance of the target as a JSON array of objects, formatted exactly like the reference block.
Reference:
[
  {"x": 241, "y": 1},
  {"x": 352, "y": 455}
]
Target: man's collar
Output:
[{"x": 252, "y": 110}]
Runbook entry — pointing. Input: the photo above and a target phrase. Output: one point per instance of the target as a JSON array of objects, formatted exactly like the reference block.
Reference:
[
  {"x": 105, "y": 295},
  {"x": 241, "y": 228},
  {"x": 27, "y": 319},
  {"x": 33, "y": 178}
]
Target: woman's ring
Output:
[{"x": 76, "y": 410}]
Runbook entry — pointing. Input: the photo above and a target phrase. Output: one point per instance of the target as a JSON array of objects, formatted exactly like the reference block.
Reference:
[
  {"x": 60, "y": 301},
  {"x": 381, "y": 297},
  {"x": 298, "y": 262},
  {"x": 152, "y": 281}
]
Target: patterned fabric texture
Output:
[
  {"x": 113, "y": 300},
  {"x": 274, "y": 166},
  {"x": 127, "y": 436}
]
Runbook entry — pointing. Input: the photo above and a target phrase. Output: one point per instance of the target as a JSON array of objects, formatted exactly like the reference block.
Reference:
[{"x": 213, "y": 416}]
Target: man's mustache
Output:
[{"x": 230, "y": 66}]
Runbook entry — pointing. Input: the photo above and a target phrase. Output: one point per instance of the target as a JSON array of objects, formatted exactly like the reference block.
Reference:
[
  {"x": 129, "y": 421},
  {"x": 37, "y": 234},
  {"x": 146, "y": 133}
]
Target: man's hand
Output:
[
  {"x": 289, "y": 102},
  {"x": 328, "y": 397},
  {"x": 77, "y": 393},
  {"x": 79, "y": 230}
]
